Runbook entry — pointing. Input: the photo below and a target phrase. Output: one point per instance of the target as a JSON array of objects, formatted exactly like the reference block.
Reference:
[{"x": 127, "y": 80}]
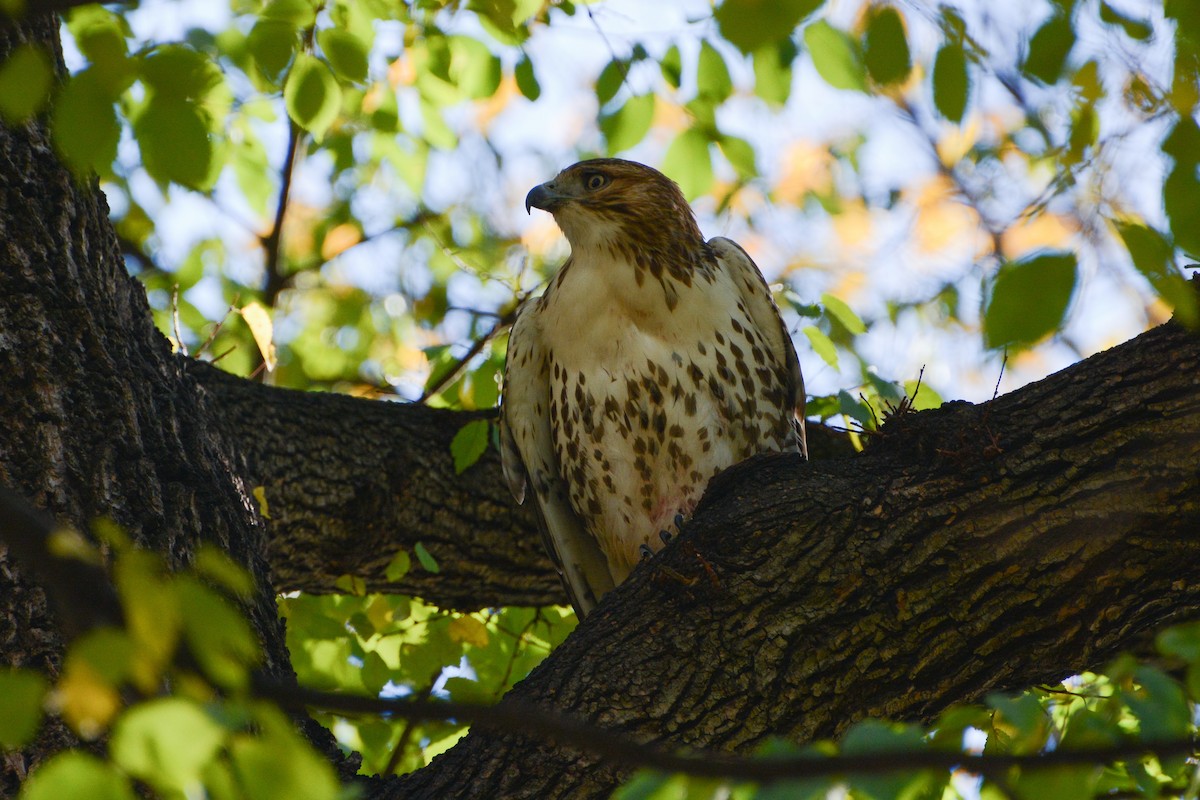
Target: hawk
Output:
[{"x": 653, "y": 361}]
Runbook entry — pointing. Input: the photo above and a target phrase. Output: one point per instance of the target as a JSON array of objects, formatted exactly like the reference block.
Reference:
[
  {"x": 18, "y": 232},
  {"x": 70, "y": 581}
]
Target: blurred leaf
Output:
[
  {"x": 398, "y": 567},
  {"x": 21, "y": 694},
  {"x": 712, "y": 76},
  {"x": 25, "y": 81},
  {"x": 347, "y": 53},
  {"x": 218, "y": 634},
  {"x": 629, "y": 124},
  {"x": 1159, "y": 704},
  {"x": 1181, "y": 191},
  {"x": 1029, "y": 299},
  {"x": 1019, "y": 726},
  {"x": 689, "y": 163},
  {"x": 822, "y": 345},
  {"x": 740, "y": 154},
  {"x": 672, "y": 67},
  {"x": 843, "y": 314},
  {"x": 166, "y": 742},
  {"x": 1182, "y": 641},
  {"x": 1154, "y": 257},
  {"x": 885, "y": 47},
  {"x": 277, "y": 764},
  {"x": 527, "y": 80},
  {"x": 312, "y": 95},
  {"x": 1049, "y": 48},
  {"x": 773, "y": 71},
  {"x": 73, "y": 773},
  {"x": 610, "y": 79},
  {"x": 299, "y": 13},
  {"x": 751, "y": 24},
  {"x": 469, "y": 444},
  {"x": 474, "y": 69},
  {"x": 836, "y": 56},
  {"x": 174, "y": 141},
  {"x": 872, "y": 736},
  {"x": 1062, "y": 783},
  {"x": 426, "y": 559},
  {"x": 85, "y": 126},
  {"x": 273, "y": 43},
  {"x": 951, "y": 81},
  {"x": 468, "y": 630}
]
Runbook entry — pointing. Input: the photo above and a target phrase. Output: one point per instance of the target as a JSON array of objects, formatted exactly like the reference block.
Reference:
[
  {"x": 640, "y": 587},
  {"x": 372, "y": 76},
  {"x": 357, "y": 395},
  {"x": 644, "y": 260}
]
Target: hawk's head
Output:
[{"x": 608, "y": 201}]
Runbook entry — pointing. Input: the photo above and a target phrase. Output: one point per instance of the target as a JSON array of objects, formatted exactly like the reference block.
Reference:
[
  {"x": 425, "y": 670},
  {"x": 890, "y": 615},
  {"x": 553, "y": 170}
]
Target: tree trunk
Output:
[
  {"x": 99, "y": 418},
  {"x": 971, "y": 548}
]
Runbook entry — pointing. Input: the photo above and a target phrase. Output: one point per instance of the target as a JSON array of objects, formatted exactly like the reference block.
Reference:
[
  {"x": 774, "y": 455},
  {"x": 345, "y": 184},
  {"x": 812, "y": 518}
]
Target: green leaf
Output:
[
  {"x": 629, "y": 124},
  {"x": 672, "y": 67},
  {"x": 689, "y": 163},
  {"x": 712, "y": 76},
  {"x": 217, "y": 633},
  {"x": 1182, "y": 641},
  {"x": 426, "y": 559},
  {"x": 74, "y": 773},
  {"x": 166, "y": 742},
  {"x": 1029, "y": 299},
  {"x": 843, "y": 314},
  {"x": 773, "y": 71},
  {"x": 610, "y": 80},
  {"x": 885, "y": 47},
  {"x": 1019, "y": 726},
  {"x": 740, "y": 153},
  {"x": 1159, "y": 704},
  {"x": 278, "y": 765},
  {"x": 751, "y": 24},
  {"x": 836, "y": 56},
  {"x": 527, "y": 80},
  {"x": 85, "y": 126},
  {"x": 298, "y": 13},
  {"x": 474, "y": 69},
  {"x": 1049, "y": 48},
  {"x": 272, "y": 43},
  {"x": 180, "y": 72},
  {"x": 872, "y": 736},
  {"x": 173, "y": 137},
  {"x": 25, "y": 80},
  {"x": 398, "y": 567},
  {"x": 469, "y": 444},
  {"x": 1154, "y": 257},
  {"x": 21, "y": 695},
  {"x": 1063, "y": 783},
  {"x": 312, "y": 95},
  {"x": 822, "y": 345},
  {"x": 346, "y": 52},
  {"x": 951, "y": 81}
]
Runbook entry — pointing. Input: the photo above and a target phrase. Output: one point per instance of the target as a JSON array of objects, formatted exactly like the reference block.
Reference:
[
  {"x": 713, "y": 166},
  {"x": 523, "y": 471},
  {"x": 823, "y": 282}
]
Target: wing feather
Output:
[
  {"x": 766, "y": 318},
  {"x": 529, "y": 462}
]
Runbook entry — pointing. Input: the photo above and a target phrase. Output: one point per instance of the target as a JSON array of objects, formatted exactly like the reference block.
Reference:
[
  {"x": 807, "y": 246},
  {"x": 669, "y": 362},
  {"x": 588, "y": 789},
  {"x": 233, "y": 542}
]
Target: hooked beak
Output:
[{"x": 543, "y": 197}]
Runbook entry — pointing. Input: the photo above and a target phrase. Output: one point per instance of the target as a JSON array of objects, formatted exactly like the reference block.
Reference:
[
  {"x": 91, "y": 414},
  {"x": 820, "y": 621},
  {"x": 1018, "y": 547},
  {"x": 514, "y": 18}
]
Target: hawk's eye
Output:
[{"x": 594, "y": 181}]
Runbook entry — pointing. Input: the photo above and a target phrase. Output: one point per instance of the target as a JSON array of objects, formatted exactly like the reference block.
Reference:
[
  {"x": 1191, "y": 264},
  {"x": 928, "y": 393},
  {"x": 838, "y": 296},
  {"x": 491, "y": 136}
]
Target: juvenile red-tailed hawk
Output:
[{"x": 653, "y": 361}]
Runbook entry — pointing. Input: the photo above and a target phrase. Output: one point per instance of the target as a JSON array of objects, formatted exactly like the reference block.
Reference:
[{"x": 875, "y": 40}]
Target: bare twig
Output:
[
  {"x": 271, "y": 242},
  {"x": 449, "y": 376}
]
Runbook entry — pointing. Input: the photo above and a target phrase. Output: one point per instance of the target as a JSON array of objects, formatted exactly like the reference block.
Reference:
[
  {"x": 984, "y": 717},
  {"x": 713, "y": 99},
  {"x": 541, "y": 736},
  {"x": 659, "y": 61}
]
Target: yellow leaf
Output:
[
  {"x": 258, "y": 319},
  {"x": 260, "y": 494},
  {"x": 808, "y": 167},
  {"x": 958, "y": 141},
  {"x": 86, "y": 701},
  {"x": 853, "y": 226},
  {"x": 339, "y": 239},
  {"x": 1043, "y": 231},
  {"x": 468, "y": 630},
  {"x": 943, "y": 218}
]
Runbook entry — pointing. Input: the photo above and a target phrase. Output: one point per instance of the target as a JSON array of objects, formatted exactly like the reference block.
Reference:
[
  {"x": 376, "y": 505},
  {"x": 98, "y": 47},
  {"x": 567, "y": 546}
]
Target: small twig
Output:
[
  {"x": 272, "y": 241},
  {"x": 450, "y": 375},
  {"x": 1000, "y": 377},
  {"x": 517, "y": 716},
  {"x": 409, "y": 728},
  {"x": 175, "y": 320}
]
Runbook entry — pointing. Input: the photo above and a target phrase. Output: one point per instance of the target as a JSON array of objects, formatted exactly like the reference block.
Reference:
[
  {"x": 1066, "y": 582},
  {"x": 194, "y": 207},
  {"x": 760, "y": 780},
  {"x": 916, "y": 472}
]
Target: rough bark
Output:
[
  {"x": 99, "y": 418},
  {"x": 350, "y": 481},
  {"x": 973, "y": 548}
]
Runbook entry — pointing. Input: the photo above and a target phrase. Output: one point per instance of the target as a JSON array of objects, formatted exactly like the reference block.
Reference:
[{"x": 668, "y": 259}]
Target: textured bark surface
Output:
[
  {"x": 98, "y": 417},
  {"x": 973, "y": 548},
  {"x": 350, "y": 481}
]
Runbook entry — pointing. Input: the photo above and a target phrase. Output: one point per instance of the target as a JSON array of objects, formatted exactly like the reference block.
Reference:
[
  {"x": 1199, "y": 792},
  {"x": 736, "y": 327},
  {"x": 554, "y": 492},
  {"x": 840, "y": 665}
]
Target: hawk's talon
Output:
[
  {"x": 678, "y": 521},
  {"x": 666, "y": 536},
  {"x": 645, "y": 552}
]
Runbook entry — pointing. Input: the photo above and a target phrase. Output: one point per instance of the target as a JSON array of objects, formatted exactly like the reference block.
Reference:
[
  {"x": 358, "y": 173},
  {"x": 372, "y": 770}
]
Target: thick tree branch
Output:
[{"x": 972, "y": 549}]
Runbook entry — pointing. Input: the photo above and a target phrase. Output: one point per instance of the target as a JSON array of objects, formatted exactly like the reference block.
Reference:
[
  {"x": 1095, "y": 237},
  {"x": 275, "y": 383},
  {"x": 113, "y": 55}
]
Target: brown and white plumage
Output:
[{"x": 653, "y": 361}]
